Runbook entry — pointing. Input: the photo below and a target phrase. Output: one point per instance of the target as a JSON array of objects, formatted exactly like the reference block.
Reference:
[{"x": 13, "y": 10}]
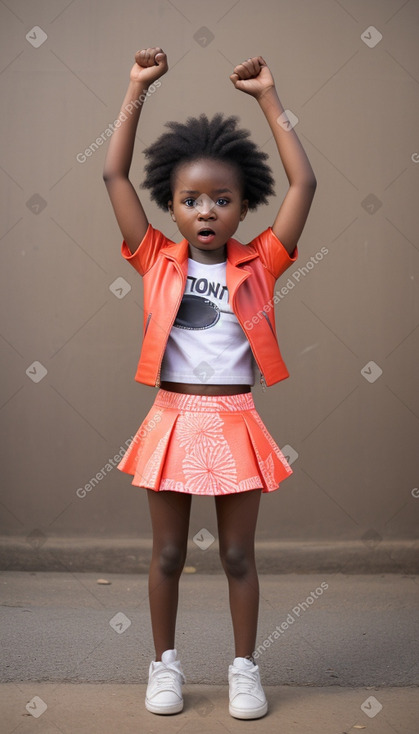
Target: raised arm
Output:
[
  {"x": 149, "y": 65},
  {"x": 254, "y": 78}
]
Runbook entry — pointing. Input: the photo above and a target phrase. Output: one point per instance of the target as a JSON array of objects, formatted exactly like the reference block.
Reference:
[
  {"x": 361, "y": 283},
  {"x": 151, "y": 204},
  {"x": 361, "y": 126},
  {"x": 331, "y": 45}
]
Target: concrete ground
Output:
[{"x": 338, "y": 654}]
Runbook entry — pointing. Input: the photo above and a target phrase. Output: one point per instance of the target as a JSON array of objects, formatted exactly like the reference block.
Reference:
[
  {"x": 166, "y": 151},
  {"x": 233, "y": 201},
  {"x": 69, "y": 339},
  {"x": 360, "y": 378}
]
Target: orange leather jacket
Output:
[{"x": 251, "y": 274}]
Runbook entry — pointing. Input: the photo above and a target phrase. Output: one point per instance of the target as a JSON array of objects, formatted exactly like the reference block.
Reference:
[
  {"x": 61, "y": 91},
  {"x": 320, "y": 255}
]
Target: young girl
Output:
[{"x": 208, "y": 327}]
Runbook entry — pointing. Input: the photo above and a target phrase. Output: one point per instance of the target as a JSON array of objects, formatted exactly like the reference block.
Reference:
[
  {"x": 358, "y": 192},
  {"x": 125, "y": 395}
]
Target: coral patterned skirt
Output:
[{"x": 204, "y": 444}]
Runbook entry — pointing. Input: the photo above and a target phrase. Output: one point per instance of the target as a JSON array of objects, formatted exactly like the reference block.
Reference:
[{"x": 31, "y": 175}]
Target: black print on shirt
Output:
[
  {"x": 207, "y": 288},
  {"x": 196, "y": 313}
]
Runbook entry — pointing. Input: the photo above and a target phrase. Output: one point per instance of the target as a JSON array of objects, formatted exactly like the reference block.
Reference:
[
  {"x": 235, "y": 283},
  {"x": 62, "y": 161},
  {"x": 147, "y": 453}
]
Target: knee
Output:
[
  {"x": 236, "y": 562},
  {"x": 171, "y": 560}
]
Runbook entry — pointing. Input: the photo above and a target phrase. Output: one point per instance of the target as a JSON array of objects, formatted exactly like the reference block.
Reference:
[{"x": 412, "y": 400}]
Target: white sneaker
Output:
[
  {"x": 247, "y": 698},
  {"x": 164, "y": 690}
]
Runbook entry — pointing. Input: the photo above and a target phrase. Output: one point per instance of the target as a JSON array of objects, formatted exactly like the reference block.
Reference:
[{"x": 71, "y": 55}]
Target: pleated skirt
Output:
[{"x": 205, "y": 445}]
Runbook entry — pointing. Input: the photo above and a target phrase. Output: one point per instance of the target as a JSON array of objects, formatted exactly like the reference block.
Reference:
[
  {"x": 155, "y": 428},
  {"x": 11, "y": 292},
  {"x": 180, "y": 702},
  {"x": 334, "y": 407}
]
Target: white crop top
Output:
[{"x": 206, "y": 343}]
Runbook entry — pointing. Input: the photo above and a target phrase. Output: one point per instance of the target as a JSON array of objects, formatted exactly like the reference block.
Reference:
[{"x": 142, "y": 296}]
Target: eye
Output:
[
  {"x": 189, "y": 202},
  {"x": 222, "y": 201}
]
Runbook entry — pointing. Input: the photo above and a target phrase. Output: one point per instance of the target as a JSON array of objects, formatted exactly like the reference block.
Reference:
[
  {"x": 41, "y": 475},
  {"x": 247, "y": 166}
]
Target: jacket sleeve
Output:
[
  {"x": 273, "y": 253},
  {"x": 147, "y": 251}
]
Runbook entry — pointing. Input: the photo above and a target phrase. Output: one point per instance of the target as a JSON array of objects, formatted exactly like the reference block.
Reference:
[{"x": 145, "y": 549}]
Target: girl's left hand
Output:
[{"x": 253, "y": 77}]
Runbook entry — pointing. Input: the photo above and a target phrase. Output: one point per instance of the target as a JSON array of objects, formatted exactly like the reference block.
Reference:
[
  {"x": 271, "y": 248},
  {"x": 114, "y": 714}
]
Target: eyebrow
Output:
[{"x": 216, "y": 191}]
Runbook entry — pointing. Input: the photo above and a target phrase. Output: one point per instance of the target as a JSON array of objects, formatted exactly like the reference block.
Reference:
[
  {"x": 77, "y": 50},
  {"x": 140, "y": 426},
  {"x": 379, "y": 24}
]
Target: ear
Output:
[
  {"x": 170, "y": 208},
  {"x": 244, "y": 209}
]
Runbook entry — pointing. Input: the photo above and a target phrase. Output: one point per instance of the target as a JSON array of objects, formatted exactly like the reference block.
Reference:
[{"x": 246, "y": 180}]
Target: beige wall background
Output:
[{"x": 347, "y": 318}]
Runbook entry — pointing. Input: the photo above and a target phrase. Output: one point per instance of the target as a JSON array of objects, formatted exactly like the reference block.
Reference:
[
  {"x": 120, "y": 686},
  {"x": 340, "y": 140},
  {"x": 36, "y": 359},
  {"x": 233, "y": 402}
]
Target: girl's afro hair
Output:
[{"x": 218, "y": 139}]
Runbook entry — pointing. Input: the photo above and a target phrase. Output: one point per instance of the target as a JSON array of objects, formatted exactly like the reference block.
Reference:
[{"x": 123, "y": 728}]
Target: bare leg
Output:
[
  {"x": 237, "y": 517},
  {"x": 170, "y": 512}
]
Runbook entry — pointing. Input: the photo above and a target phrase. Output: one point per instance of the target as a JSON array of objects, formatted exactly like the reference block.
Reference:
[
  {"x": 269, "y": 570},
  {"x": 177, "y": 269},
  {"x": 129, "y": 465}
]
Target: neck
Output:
[{"x": 208, "y": 257}]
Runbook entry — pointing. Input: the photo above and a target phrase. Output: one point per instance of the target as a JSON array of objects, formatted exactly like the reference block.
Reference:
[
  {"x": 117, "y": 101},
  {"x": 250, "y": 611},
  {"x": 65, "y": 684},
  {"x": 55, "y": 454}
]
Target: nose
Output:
[
  {"x": 206, "y": 214},
  {"x": 205, "y": 207}
]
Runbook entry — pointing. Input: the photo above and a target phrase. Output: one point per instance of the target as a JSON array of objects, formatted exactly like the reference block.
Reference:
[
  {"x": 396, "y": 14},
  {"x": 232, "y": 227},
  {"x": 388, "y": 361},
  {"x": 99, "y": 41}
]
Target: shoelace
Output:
[
  {"x": 165, "y": 679},
  {"x": 245, "y": 681}
]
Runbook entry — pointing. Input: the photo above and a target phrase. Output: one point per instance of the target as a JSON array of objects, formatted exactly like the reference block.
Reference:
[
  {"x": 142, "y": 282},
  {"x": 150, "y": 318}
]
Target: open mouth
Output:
[{"x": 206, "y": 234}]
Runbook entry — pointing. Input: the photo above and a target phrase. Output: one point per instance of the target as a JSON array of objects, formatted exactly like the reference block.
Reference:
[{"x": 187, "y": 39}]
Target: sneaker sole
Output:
[
  {"x": 250, "y": 714},
  {"x": 173, "y": 708}
]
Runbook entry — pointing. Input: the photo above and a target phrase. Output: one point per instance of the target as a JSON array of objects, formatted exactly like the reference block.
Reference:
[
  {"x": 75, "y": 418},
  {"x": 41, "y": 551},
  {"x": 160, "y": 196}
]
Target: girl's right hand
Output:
[{"x": 150, "y": 64}]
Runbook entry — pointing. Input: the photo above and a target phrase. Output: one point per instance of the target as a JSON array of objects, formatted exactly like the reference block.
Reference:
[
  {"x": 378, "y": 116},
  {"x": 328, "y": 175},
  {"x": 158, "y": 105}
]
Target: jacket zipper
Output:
[
  {"x": 269, "y": 323},
  {"x": 262, "y": 377},
  {"x": 147, "y": 323},
  {"x": 157, "y": 383}
]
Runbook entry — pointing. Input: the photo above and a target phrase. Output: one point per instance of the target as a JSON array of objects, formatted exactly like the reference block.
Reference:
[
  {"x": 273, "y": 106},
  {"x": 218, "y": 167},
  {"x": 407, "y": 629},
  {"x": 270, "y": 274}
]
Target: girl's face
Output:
[{"x": 207, "y": 206}]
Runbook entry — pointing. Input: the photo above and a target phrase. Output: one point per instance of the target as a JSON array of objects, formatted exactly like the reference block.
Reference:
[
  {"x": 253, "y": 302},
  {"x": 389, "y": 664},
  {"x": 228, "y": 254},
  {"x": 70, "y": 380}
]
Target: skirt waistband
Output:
[{"x": 204, "y": 403}]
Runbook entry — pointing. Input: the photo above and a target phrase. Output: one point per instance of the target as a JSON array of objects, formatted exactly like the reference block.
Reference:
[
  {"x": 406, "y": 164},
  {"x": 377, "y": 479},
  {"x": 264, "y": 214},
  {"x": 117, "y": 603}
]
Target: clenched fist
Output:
[{"x": 150, "y": 64}]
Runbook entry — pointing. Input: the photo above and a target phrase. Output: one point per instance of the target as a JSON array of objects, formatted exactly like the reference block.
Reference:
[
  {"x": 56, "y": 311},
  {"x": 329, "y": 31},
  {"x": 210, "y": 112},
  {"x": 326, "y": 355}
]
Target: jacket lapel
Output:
[{"x": 237, "y": 255}]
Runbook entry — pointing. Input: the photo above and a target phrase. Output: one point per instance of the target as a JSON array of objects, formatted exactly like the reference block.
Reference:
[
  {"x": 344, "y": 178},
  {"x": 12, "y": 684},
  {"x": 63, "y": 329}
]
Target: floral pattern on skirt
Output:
[{"x": 204, "y": 444}]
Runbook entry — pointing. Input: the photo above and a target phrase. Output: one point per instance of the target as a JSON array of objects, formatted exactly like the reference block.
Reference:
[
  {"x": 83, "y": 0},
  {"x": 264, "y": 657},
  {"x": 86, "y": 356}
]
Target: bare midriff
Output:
[{"x": 196, "y": 389}]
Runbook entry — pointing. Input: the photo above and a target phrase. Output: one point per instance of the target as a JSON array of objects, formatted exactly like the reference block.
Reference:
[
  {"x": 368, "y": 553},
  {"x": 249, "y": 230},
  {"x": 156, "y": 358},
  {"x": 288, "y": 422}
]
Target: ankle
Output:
[
  {"x": 247, "y": 657},
  {"x": 158, "y": 658}
]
